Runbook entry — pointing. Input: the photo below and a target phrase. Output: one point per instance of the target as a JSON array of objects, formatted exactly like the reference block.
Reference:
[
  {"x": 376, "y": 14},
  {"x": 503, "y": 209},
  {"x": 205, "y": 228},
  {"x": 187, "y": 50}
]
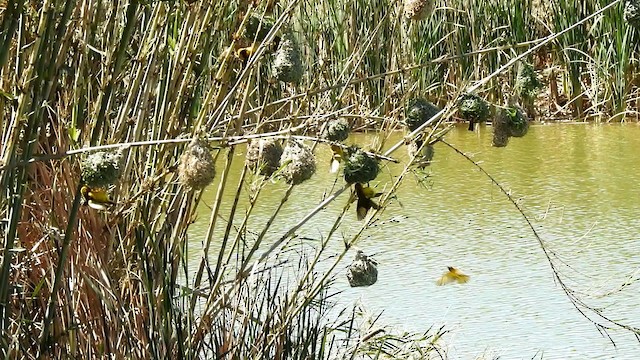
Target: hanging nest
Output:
[
  {"x": 417, "y": 9},
  {"x": 501, "y": 130},
  {"x": 197, "y": 168},
  {"x": 287, "y": 65},
  {"x": 257, "y": 28},
  {"x": 300, "y": 162},
  {"x": 359, "y": 167},
  {"x": 500, "y": 139},
  {"x": 264, "y": 155},
  {"x": 424, "y": 157},
  {"x": 101, "y": 168},
  {"x": 473, "y": 108},
  {"x": 518, "y": 123},
  {"x": 632, "y": 13},
  {"x": 527, "y": 83},
  {"x": 419, "y": 111},
  {"x": 362, "y": 271},
  {"x": 337, "y": 130}
]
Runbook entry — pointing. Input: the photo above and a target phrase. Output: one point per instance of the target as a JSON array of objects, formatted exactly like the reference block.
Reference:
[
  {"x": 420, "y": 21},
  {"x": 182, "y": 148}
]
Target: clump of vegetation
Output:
[
  {"x": 632, "y": 13},
  {"x": 362, "y": 271},
  {"x": 473, "y": 109},
  {"x": 287, "y": 65},
  {"x": 101, "y": 168},
  {"x": 419, "y": 111},
  {"x": 337, "y": 130},
  {"x": 417, "y": 9},
  {"x": 360, "y": 167},
  {"x": 257, "y": 27},
  {"x": 527, "y": 83},
  {"x": 298, "y": 162},
  {"x": 264, "y": 155},
  {"x": 197, "y": 167}
]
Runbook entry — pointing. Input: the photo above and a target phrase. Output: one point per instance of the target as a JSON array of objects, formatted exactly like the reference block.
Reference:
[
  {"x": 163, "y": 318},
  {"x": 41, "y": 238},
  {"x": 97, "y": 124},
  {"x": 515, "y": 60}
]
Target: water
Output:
[{"x": 577, "y": 184}]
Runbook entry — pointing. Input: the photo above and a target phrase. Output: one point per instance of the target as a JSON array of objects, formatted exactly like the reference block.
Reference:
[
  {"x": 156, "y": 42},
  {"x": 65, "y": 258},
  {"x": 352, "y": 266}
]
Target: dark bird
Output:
[{"x": 364, "y": 195}]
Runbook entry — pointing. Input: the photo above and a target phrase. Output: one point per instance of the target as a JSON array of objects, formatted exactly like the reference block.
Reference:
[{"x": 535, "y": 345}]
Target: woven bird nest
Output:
[
  {"x": 363, "y": 271},
  {"x": 337, "y": 130},
  {"x": 197, "y": 168},
  {"x": 509, "y": 122},
  {"x": 632, "y": 13},
  {"x": 101, "y": 168},
  {"x": 264, "y": 155},
  {"x": 257, "y": 28},
  {"x": 300, "y": 163},
  {"x": 287, "y": 65},
  {"x": 517, "y": 120},
  {"x": 359, "y": 167},
  {"x": 527, "y": 83},
  {"x": 419, "y": 111},
  {"x": 501, "y": 131},
  {"x": 473, "y": 108},
  {"x": 417, "y": 9}
]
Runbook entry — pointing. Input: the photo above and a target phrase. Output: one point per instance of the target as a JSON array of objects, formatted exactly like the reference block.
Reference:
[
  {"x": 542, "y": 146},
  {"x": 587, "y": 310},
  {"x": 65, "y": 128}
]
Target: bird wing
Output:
[
  {"x": 453, "y": 275},
  {"x": 462, "y": 279},
  {"x": 100, "y": 196},
  {"x": 445, "y": 279},
  {"x": 335, "y": 165}
]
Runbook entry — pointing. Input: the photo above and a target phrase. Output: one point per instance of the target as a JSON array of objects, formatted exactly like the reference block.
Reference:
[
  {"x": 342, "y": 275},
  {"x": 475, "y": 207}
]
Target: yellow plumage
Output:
[
  {"x": 364, "y": 195},
  {"x": 453, "y": 275},
  {"x": 96, "y": 198}
]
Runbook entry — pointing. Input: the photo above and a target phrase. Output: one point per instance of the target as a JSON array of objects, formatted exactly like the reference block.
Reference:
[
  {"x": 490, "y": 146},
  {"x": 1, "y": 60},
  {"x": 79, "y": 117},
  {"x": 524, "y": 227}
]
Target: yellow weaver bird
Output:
[
  {"x": 336, "y": 158},
  {"x": 364, "y": 195},
  {"x": 245, "y": 53},
  {"x": 96, "y": 198},
  {"x": 453, "y": 275}
]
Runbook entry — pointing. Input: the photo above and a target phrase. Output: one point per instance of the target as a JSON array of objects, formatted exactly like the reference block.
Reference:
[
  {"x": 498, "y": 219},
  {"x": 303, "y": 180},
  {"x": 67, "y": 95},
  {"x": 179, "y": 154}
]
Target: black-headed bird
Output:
[
  {"x": 245, "y": 53},
  {"x": 364, "y": 195},
  {"x": 451, "y": 276},
  {"x": 96, "y": 198}
]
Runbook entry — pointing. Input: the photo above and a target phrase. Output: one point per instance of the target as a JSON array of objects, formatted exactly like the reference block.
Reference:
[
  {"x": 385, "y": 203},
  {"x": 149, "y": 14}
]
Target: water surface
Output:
[{"x": 576, "y": 183}]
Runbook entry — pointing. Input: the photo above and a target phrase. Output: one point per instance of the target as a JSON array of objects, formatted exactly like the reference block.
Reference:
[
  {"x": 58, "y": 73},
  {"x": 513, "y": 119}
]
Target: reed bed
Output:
[{"x": 174, "y": 87}]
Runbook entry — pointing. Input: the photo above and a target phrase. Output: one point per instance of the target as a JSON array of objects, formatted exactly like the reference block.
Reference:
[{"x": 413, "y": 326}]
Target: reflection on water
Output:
[{"x": 578, "y": 185}]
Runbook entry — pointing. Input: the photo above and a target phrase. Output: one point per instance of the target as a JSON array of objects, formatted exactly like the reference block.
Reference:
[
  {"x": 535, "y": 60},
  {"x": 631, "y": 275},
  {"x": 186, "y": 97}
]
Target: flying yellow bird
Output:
[
  {"x": 453, "y": 275},
  {"x": 96, "y": 198},
  {"x": 365, "y": 194}
]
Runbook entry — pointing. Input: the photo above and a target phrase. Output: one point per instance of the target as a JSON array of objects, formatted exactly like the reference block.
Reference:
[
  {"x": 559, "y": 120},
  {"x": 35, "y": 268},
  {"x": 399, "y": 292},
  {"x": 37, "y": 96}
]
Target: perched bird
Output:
[
  {"x": 364, "y": 195},
  {"x": 453, "y": 275},
  {"x": 96, "y": 198},
  {"x": 336, "y": 158},
  {"x": 245, "y": 53}
]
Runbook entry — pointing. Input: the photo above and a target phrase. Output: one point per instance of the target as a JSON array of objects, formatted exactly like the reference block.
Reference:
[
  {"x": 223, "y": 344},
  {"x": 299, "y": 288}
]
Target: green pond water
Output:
[{"x": 577, "y": 183}]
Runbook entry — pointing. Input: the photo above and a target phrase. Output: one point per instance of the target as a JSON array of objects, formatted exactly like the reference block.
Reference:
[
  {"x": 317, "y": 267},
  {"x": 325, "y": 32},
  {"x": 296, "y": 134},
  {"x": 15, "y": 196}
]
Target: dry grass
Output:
[{"x": 151, "y": 76}]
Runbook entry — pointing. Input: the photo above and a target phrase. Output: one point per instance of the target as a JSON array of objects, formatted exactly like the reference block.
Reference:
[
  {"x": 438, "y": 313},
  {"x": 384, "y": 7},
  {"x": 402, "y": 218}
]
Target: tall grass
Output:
[{"x": 147, "y": 77}]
